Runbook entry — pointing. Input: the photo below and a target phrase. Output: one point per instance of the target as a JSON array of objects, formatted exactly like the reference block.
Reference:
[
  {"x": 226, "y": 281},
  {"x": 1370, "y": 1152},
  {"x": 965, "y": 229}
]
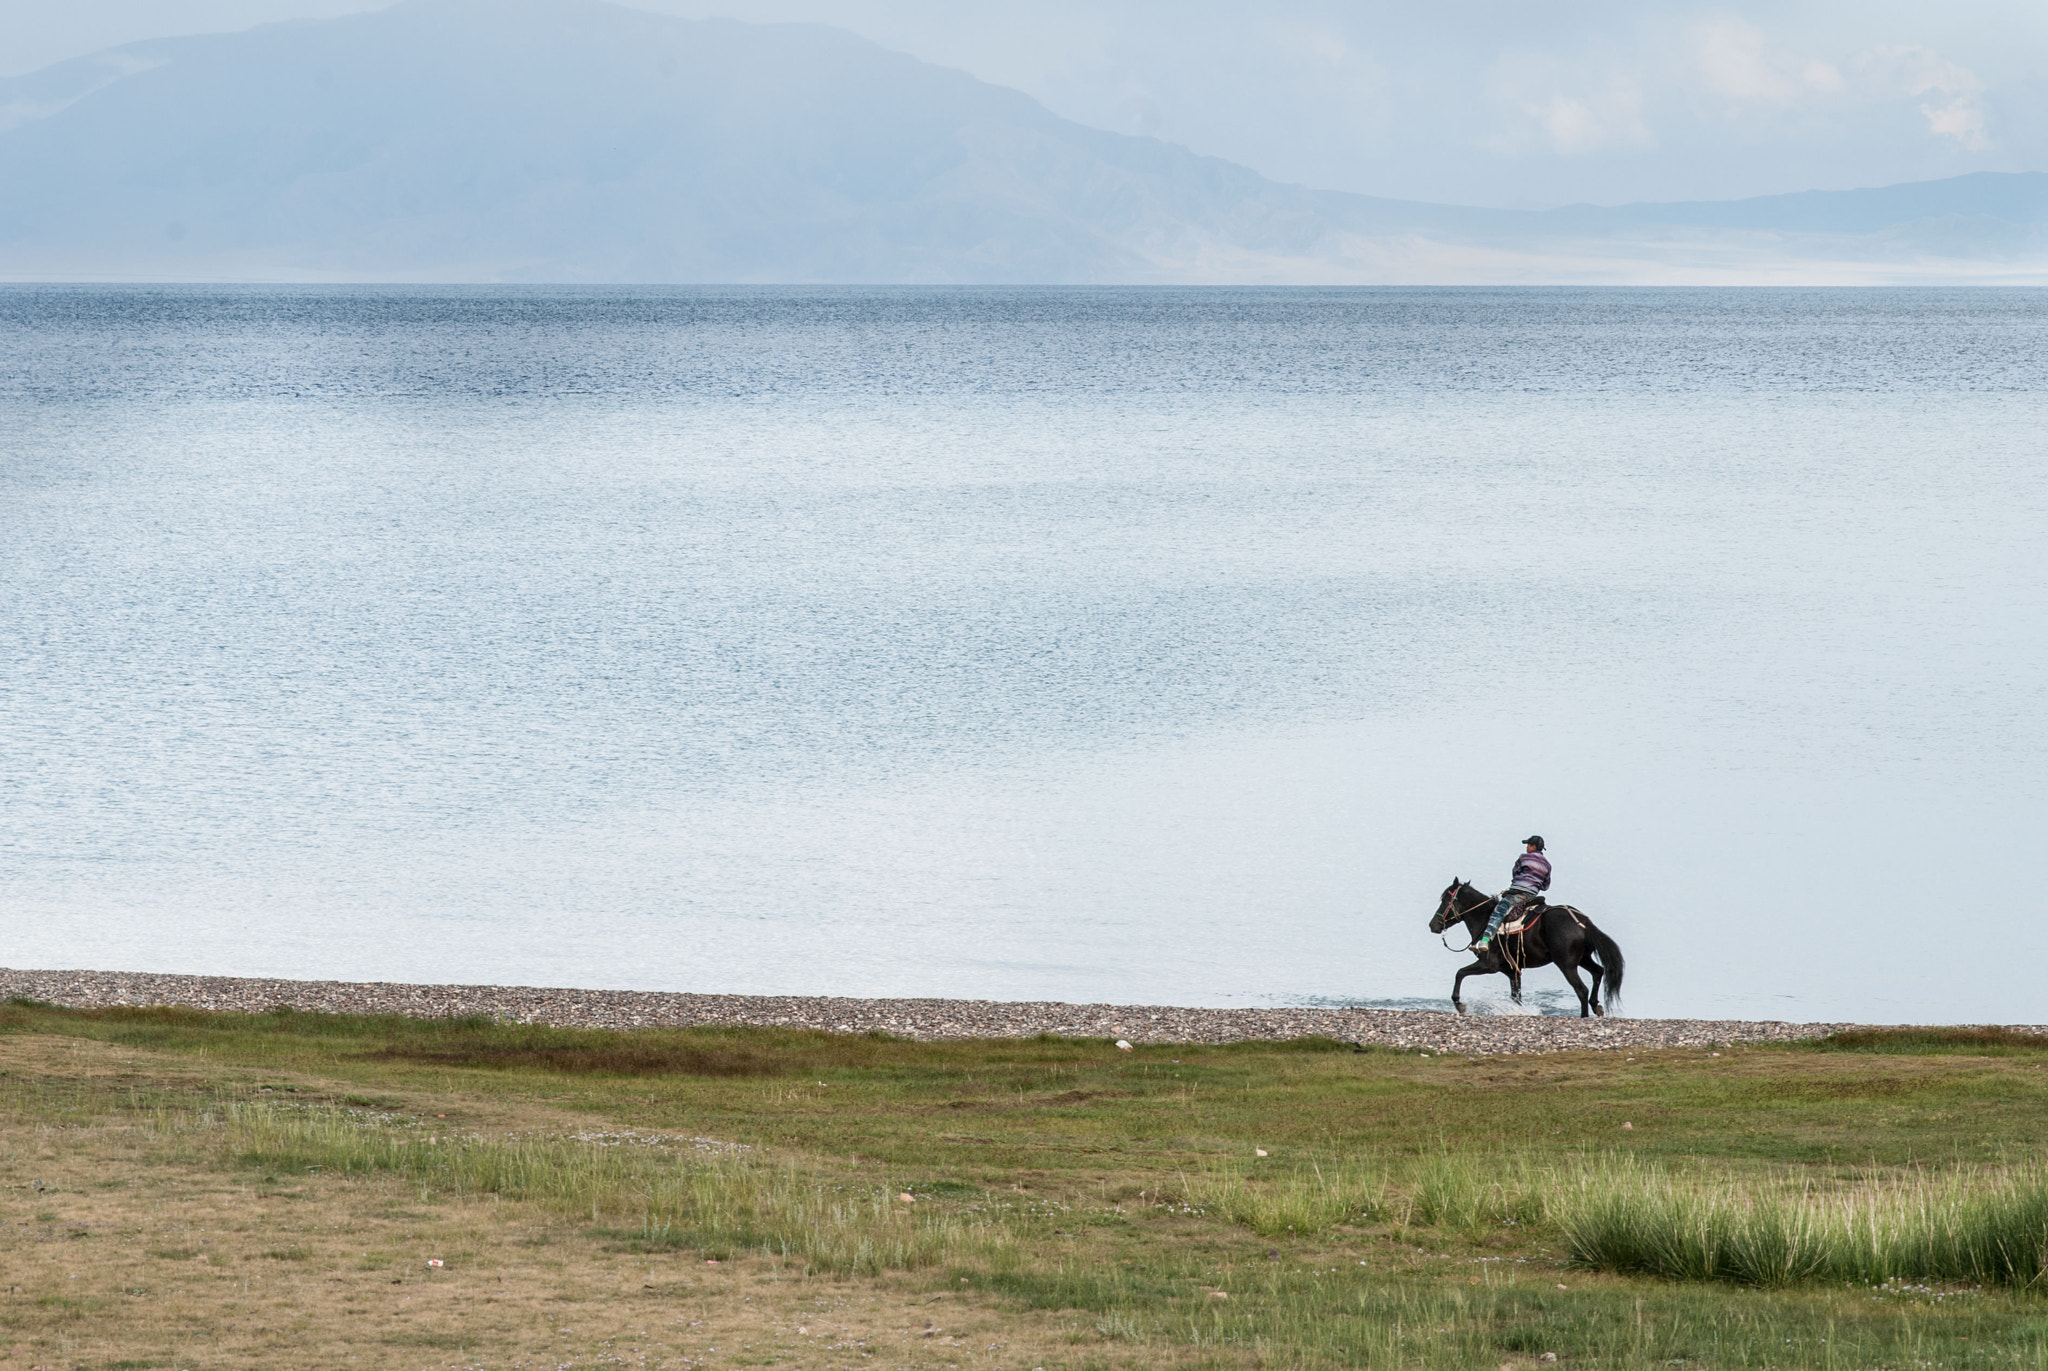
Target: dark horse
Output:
[{"x": 1560, "y": 934}]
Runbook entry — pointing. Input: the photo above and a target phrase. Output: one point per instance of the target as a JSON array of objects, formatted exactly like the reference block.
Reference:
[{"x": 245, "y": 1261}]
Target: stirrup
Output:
[{"x": 1484, "y": 943}]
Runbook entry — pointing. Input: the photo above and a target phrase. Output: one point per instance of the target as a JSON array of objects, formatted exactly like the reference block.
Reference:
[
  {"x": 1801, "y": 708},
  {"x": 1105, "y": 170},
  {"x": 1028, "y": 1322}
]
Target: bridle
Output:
[{"x": 1458, "y": 915}]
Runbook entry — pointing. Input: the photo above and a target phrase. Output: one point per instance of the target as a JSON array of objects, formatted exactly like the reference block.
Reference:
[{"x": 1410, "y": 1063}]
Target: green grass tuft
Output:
[
  {"x": 1970, "y": 1227},
  {"x": 1466, "y": 1192},
  {"x": 1297, "y": 1202}
]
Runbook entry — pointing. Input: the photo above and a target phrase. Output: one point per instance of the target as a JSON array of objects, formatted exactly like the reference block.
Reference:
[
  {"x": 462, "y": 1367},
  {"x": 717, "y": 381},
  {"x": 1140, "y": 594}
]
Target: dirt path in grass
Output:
[{"x": 128, "y": 1245}]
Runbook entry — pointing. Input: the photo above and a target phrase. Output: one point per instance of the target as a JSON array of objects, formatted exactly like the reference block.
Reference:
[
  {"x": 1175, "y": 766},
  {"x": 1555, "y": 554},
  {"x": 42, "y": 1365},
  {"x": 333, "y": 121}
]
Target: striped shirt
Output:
[{"x": 1532, "y": 872}]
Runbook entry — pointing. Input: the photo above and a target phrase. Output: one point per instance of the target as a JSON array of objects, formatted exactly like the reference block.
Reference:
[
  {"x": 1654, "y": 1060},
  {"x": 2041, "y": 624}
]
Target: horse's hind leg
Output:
[
  {"x": 1571, "y": 973},
  {"x": 1593, "y": 973}
]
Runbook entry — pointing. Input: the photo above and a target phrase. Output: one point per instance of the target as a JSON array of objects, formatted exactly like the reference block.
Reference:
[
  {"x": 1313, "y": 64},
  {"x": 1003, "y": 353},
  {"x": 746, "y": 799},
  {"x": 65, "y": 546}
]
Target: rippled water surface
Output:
[{"x": 1082, "y": 644}]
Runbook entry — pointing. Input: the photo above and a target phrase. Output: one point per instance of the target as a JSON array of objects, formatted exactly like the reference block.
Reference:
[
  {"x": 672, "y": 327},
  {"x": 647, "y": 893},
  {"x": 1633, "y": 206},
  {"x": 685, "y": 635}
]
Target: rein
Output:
[{"x": 1459, "y": 916}]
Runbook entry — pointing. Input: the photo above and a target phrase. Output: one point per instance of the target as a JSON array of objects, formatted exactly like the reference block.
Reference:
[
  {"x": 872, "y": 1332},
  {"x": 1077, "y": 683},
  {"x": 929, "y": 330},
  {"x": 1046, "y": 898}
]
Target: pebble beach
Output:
[{"x": 1420, "y": 1030}]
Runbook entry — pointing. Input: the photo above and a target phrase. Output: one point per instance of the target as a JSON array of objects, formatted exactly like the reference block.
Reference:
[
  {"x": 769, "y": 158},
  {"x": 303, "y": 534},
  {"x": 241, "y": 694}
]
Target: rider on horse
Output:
[{"x": 1532, "y": 876}]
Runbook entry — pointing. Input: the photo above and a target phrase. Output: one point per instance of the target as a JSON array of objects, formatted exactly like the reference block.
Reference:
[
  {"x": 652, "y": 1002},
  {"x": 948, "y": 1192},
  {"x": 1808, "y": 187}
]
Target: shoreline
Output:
[{"x": 1427, "y": 1030}]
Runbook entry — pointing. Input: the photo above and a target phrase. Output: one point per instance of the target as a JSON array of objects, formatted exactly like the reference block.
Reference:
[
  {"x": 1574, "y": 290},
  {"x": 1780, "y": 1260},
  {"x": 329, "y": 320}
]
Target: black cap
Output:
[{"x": 1533, "y": 841}]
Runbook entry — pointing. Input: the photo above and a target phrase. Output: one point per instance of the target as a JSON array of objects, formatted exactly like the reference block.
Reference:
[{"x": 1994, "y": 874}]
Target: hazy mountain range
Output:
[{"x": 570, "y": 140}]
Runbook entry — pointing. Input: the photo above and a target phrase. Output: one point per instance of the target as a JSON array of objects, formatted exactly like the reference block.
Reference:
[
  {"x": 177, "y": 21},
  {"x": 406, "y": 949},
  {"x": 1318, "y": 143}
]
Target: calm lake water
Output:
[{"x": 1135, "y": 645}]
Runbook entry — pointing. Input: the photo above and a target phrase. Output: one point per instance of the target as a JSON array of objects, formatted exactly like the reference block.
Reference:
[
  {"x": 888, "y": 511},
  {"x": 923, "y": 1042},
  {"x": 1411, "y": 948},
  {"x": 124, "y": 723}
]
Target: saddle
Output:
[{"x": 1532, "y": 910}]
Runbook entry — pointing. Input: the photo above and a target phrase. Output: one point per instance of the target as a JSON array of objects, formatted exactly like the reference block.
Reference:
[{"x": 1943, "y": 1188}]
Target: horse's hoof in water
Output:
[
  {"x": 1598, "y": 1012},
  {"x": 1458, "y": 1005}
]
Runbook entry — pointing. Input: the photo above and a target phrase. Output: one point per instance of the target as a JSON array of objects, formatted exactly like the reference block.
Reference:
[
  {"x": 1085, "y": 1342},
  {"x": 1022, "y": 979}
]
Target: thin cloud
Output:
[
  {"x": 1734, "y": 61},
  {"x": 1569, "y": 109},
  {"x": 1581, "y": 124},
  {"x": 1954, "y": 107}
]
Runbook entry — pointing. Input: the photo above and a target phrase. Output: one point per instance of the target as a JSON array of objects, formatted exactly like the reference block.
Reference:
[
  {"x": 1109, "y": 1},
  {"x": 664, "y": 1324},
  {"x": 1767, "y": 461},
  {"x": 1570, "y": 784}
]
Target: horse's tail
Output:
[{"x": 1610, "y": 962}]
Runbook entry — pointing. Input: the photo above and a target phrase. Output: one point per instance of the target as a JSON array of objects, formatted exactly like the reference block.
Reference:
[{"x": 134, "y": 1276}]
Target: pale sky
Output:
[{"x": 1492, "y": 102}]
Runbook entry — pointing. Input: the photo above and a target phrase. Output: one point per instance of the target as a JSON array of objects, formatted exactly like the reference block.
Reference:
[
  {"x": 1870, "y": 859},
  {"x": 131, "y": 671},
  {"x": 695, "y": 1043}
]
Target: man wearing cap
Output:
[{"x": 1532, "y": 875}]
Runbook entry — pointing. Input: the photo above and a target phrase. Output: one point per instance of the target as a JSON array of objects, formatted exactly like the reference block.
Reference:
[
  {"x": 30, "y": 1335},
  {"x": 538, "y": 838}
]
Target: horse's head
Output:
[{"x": 1447, "y": 907}]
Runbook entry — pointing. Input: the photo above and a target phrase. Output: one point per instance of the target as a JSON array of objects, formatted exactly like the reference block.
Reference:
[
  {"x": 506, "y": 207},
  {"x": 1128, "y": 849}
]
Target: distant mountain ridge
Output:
[
  {"x": 573, "y": 140},
  {"x": 2016, "y": 197}
]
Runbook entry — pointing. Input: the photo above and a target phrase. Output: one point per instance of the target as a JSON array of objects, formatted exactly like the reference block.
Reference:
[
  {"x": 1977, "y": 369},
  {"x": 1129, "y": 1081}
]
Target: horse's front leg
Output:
[
  {"x": 1478, "y": 968},
  {"x": 1515, "y": 985}
]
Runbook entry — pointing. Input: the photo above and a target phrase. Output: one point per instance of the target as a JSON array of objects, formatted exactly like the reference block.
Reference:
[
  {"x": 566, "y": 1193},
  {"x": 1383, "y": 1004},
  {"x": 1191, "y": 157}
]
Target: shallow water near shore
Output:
[{"x": 1090, "y": 645}]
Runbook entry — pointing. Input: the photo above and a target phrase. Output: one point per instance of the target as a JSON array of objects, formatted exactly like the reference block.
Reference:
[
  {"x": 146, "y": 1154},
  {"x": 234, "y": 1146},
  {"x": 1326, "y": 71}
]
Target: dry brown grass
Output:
[
  {"x": 126, "y": 1247},
  {"x": 485, "y": 1043},
  {"x": 690, "y": 1052},
  {"x": 1966, "y": 1038}
]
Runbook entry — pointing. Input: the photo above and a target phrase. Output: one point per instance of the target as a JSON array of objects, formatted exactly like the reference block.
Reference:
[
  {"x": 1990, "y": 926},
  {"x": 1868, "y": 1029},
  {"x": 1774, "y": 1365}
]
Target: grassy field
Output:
[{"x": 188, "y": 1190}]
